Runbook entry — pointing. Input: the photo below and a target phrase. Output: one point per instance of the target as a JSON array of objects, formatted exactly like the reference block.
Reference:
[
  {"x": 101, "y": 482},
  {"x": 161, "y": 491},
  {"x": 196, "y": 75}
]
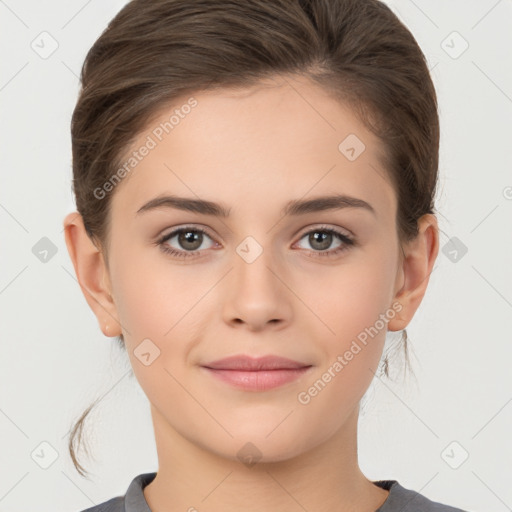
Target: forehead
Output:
[{"x": 281, "y": 139}]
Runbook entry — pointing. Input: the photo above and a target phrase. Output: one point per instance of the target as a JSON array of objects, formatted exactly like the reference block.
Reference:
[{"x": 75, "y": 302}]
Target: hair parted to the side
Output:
[{"x": 153, "y": 52}]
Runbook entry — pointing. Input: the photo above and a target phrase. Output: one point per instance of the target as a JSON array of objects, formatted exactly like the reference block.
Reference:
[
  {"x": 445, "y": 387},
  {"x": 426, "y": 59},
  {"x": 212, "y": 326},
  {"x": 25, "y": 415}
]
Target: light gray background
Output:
[{"x": 55, "y": 360}]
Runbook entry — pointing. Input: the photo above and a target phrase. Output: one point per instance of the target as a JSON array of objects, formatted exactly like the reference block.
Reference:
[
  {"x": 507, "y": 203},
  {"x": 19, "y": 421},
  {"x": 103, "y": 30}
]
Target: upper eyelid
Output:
[
  {"x": 322, "y": 227},
  {"x": 174, "y": 231},
  {"x": 304, "y": 231}
]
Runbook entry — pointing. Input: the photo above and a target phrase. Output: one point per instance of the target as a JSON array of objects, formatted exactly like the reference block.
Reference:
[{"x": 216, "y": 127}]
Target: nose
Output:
[{"x": 255, "y": 294}]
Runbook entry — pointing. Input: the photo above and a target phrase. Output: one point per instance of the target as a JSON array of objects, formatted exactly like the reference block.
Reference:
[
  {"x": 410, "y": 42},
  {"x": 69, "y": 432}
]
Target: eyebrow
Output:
[{"x": 294, "y": 207}]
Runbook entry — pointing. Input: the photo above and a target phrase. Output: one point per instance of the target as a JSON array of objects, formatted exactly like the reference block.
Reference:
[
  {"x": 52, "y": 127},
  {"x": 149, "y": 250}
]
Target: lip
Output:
[
  {"x": 248, "y": 363},
  {"x": 256, "y": 374}
]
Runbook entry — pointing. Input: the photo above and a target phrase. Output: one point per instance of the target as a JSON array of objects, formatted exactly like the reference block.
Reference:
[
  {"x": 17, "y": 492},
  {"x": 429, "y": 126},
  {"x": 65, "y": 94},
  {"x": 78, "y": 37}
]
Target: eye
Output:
[
  {"x": 189, "y": 238},
  {"x": 322, "y": 237}
]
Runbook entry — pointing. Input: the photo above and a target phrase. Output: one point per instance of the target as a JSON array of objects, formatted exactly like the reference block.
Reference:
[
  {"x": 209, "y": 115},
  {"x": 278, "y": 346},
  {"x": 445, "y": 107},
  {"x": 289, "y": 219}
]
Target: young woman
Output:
[{"x": 255, "y": 189}]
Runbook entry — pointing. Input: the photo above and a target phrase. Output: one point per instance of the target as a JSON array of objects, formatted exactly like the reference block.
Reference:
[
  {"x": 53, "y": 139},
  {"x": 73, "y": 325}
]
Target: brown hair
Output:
[{"x": 155, "y": 51}]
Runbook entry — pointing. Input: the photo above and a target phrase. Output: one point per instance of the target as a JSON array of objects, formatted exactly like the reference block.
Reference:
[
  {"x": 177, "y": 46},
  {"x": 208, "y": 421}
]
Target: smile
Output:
[{"x": 258, "y": 380}]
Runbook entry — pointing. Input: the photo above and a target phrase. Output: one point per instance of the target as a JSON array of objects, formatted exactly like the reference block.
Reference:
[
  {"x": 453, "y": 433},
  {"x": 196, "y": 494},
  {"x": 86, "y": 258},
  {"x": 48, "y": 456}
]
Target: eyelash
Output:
[{"x": 347, "y": 242}]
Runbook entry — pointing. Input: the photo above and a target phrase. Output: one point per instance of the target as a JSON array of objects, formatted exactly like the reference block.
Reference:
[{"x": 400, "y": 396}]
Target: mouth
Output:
[{"x": 256, "y": 374}]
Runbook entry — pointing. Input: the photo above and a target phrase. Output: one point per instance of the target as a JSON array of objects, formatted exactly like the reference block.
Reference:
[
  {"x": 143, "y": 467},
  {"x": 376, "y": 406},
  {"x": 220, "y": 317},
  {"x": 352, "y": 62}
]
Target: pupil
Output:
[
  {"x": 325, "y": 239},
  {"x": 190, "y": 237}
]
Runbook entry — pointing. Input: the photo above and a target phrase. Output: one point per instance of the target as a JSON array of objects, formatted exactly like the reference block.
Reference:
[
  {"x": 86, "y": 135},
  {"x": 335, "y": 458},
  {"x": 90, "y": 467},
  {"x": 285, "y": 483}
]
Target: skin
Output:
[{"x": 253, "y": 150}]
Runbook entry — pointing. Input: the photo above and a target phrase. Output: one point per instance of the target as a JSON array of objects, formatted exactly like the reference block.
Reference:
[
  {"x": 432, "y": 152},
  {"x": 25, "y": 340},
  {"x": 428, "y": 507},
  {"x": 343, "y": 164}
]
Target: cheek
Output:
[
  {"x": 357, "y": 313},
  {"x": 162, "y": 302},
  {"x": 154, "y": 307},
  {"x": 356, "y": 305},
  {"x": 153, "y": 294},
  {"x": 354, "y": 295}
]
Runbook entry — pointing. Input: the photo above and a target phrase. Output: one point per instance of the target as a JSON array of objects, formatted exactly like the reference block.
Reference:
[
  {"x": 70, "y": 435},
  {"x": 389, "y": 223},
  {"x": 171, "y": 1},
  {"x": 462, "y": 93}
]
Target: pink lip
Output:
[
  {"x": 248, "y": 363},
  {"x": 256, "y": 374}
]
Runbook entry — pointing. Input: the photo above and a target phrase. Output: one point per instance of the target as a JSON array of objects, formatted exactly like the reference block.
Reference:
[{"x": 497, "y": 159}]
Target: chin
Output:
[{"x": 263, "y": 448}]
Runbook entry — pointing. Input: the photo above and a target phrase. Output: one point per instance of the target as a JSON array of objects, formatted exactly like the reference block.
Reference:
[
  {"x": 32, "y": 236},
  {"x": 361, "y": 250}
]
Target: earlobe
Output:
[
  {"x": 91, "y": 272},
  {"x": 415, "y": 269}
]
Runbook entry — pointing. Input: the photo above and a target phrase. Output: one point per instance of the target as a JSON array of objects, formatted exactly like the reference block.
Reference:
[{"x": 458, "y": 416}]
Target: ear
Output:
[
  {"x": 414, "y": 272},
  {"x": 92, "y": 274}
]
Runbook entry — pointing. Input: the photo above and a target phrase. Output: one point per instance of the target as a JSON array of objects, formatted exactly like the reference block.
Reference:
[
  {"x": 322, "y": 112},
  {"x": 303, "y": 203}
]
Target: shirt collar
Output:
[{"x": 134, "y": 500}]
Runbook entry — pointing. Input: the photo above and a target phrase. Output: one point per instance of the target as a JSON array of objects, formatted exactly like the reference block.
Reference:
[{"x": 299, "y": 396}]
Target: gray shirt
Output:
[{"x": 399, "y": 499}]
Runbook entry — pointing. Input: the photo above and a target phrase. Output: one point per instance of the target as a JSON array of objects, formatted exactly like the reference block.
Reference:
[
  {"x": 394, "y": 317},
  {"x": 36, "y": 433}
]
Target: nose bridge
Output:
[
  {"x": 254, "y": 262},
  {"x": 255, "y": 294}
]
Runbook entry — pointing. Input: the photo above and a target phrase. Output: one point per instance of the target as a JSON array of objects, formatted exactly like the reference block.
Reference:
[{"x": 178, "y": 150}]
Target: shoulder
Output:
[
  {"x": 406, "y": 500},
  {"x": 132, "y": 501},
  {"x": 112, "y": 505}
]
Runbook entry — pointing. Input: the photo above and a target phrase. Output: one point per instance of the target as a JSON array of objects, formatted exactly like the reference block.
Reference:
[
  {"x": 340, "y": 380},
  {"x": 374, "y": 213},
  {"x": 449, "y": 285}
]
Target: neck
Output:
[{"x": 326, "y": 478}]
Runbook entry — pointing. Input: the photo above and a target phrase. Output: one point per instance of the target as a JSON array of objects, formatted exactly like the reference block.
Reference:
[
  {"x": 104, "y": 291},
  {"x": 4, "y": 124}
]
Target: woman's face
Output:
[{"x": 259, "y": 281}]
